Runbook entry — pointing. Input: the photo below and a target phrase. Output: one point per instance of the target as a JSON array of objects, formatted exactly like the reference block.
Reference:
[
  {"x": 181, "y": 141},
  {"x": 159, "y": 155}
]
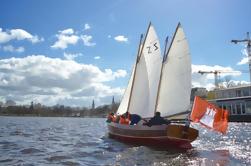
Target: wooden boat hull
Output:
[{"x": 165, "y": 136}]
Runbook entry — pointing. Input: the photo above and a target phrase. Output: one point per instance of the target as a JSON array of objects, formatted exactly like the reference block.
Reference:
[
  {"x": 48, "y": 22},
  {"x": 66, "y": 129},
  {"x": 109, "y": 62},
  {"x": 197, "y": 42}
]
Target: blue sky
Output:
[{"x": 102, "y": 35}]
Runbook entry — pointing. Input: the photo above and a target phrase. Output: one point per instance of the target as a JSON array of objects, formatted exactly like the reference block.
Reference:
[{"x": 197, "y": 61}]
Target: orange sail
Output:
[{"x": 209, "y": 115}]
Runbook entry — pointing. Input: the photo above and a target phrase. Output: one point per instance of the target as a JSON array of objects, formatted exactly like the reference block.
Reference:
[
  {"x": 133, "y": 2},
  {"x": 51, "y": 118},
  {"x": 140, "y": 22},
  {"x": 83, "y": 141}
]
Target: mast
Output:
[
  {"x": 134, "y": 73},
  {"x": 137, "y": 61},
  {"x": 164, "y": 59}
]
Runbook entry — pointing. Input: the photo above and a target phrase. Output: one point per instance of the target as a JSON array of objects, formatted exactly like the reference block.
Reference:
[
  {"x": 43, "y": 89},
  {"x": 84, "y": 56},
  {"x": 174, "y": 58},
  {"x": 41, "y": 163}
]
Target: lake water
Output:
[{"x": 84, "y": 141}]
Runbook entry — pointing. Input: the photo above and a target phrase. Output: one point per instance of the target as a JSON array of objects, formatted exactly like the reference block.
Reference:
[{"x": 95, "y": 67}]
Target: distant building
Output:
[
  {"x": 237, "y": 100},
  {"x": 113, "y": 106},
  {"x": 37, "y": 106},
  {"x": 1, "y": 104},
  {"x": 32, "y": 106},
  {"x": 198, "y": 91},
  {"x": 93, "y": 105},
  {"x": 238, "y": 91},
  {"x": 10, "y": 103},
  {"x": 113, "y": 101}
]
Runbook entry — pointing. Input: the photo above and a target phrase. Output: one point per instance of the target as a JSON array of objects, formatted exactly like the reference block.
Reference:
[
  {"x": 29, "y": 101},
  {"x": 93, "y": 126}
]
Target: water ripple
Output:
[
  {"x": 30, "y": 151},
  {"x": 57, "y": 158},
  {"x": 78, "y": 141}
]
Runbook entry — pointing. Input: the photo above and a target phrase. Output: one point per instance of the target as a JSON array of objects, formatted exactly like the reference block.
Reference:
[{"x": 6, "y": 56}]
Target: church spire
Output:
[{"x": 93, "y": 104}]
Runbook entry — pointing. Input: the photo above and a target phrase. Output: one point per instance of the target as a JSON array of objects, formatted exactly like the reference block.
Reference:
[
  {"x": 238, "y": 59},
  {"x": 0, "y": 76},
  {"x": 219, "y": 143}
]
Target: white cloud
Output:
[
  {"x": 87, "y": 40},
  {"x": 244, "y": 60},
  {"x": 68, "y": 36},
  {"x": 87, "y": 26},
  {"x": 10, "y": 48},
  {"x": 70, "y": 56},
  {"x": 109, "y": 75},
  {"x": 68, "y": 31},
  {"x": 52, "y": 80},
  {"x": 207, "y": 80},
  {"x": 244, "y": 52},
  {"x": 97, "y": 57},
  {"x": 18, "y": 34},
  {"x": 65, "y": 38},
  {"x": 98, "y": 90},
  {"x": 121, "y": 38},
  {"x": 120, "y": 73},
  {"x": 36, "y": 39}
]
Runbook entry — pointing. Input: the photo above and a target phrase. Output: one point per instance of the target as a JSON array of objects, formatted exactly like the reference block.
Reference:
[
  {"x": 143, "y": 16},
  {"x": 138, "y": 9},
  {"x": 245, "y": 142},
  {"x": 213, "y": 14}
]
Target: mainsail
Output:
[
  {"x": 143, "y": 86},
  {"x": 175, "y": 83}
]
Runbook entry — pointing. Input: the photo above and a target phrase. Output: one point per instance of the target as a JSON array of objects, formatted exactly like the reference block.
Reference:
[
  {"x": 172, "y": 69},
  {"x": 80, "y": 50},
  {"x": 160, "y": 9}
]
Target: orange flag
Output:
[{"x": 209, "y": 115}]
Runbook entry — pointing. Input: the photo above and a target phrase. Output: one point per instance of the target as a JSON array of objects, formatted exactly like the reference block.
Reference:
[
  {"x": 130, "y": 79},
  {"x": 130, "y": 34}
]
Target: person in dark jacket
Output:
[
  {"x": 157, "y": 120},
  {"x": 134, "y": 118}
]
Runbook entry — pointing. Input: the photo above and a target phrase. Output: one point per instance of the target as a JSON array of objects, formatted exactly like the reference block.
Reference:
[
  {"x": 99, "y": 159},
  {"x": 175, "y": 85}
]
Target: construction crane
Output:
[
  {"x": 247, "y": 41},
  {"x": 217, "y": 75}
]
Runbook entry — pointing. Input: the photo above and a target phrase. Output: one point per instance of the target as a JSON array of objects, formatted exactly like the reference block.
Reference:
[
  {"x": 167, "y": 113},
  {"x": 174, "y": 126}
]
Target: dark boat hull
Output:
[{"x": 165, "y": 136}]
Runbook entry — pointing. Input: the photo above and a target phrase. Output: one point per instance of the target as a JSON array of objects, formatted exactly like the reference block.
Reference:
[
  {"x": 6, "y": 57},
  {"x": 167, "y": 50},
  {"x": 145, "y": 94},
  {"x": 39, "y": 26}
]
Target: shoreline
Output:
[{"x": 12, "y": 115}]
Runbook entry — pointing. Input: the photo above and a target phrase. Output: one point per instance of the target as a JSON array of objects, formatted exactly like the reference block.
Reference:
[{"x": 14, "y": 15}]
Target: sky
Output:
[{"x": 71, "y": 52}]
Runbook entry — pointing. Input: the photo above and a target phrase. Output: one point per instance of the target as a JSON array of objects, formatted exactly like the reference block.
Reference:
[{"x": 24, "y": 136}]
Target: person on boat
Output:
[
  {"x": 134, "y": 118},
  {"x": 127, "y": 115},
  {"x": 124, "y": 120},
  {"x": 111, "y": 118},
  {"x": 157, "y": 120},
  {"x": 117, "y": 119}
]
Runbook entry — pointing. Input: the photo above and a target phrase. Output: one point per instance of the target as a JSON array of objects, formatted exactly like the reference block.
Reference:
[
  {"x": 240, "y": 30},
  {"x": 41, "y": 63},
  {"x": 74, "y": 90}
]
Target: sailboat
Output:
[{"x": 158, "y": 85}]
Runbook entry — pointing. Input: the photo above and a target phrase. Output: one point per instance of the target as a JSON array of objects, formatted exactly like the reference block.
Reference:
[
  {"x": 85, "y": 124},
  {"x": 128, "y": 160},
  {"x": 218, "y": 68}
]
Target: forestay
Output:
[{"x": 175, "y": 86}]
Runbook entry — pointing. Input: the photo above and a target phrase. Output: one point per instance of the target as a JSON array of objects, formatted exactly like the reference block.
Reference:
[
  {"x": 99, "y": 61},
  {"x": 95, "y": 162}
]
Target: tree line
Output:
[{"x": 59, "y": 111}]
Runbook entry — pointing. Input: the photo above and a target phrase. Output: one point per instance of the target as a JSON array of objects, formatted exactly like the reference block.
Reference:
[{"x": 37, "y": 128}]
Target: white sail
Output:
[
  {"x": 175, "y": 85},
  {"x": 125, "y": 100},
  {"x": 144, "y": 90}
]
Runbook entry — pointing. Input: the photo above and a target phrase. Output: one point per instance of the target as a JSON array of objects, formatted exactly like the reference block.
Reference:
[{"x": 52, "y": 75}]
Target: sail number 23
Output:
[{"x": 152, "y": 48}]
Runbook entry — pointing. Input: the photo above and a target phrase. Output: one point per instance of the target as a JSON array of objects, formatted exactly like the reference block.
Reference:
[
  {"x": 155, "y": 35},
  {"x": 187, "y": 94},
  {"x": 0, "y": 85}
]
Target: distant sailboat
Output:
[{"x": 158, "y": 85}]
